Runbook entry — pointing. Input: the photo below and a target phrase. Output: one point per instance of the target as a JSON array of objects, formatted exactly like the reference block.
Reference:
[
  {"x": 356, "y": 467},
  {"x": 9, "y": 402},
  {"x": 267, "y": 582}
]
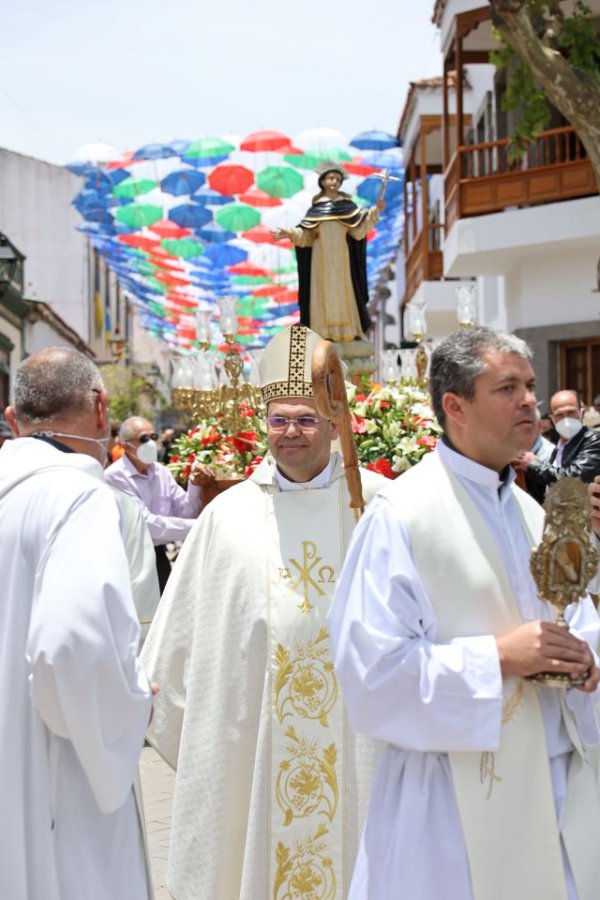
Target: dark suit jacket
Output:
[{"x": 580, "y": 459}]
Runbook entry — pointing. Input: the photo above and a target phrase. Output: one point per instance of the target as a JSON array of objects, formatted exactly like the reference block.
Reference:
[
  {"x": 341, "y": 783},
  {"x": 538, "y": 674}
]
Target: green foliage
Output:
[
  {"x": 129, "y": 393},
  {"x": 575, "y": 36},
  {"x": 521, "y": 96},
  {"x": 580, "y": 42}
]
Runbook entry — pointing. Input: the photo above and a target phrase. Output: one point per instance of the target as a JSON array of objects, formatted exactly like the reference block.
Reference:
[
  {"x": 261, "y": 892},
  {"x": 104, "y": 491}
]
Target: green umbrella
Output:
[
  {"x": 208, "y": 147},
  {"x": 237, "y": 217},
  {"x": 280, "y": 181},
  {"x": 133, "y": 187},
  {"x": 250, "y": 279},
  {"x": 184, "y": 247},
  {"x": 136, "y": 215},
  {"x": 314, "y": 158},
  {"x": 158, "y": 285}
]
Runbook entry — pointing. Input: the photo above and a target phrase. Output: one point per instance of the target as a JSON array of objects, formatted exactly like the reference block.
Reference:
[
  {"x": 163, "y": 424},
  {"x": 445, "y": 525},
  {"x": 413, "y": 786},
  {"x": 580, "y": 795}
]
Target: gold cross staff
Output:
[{"x": 385, "y": 177}]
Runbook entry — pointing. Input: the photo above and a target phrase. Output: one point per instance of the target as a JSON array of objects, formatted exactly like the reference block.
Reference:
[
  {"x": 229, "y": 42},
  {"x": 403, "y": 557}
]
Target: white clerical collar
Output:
[
  {"x": 464, "y": 467},
  {"x": 319, "y": 481}
]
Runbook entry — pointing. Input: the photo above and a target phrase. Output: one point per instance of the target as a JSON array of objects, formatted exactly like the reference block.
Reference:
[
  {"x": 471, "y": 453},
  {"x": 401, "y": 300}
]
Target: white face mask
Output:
[
  {"x": 147, "y": 453},
  {"x": 102, "y": 442},
  {"x": 568, "y": 427}
]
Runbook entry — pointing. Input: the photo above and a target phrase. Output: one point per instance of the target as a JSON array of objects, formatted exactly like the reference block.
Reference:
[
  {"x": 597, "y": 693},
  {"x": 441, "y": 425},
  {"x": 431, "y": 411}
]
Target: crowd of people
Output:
[{"x": 348, "y": 707}]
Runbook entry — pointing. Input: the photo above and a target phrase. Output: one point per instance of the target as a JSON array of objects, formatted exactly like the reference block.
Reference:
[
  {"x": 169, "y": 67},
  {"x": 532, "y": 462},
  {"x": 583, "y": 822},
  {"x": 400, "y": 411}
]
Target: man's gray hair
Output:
[
  {"x": 457, "y": 362},
  {"x": 55, "y": 384},
  {"x": 130, "y": 427}
]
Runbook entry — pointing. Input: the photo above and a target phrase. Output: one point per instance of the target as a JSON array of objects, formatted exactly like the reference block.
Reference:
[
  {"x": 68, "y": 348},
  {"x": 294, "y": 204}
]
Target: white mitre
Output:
[{"x": 285, "y": 364}]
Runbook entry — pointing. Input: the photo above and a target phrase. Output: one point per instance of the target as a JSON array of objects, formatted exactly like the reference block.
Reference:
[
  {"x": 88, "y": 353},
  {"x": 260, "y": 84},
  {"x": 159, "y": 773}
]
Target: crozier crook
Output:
[{"x": 331, "y": 400}]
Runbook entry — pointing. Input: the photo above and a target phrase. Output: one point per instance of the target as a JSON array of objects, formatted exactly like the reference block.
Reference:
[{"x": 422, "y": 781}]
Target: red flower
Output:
[
  {"x": 244, "y": 441},
  {"x": 252, "y": 466},
  {"x": 428, "y": 440},
  {"x": 359, "y": 425},
  {"x": 249, "y": 413},
  {"x": 383, "y": 467},
  {"x": 211, "y": 438},
  {"x": 360, "y": 397},
  {"x": 174, "y": 459},
  {"x": 383, "y": 404}
]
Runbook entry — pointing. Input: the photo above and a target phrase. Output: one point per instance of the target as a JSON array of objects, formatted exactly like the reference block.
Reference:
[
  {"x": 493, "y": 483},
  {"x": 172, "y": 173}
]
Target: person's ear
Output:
[
  {"x": 9, "y": 415},
  {"x": 453, "y": 406},
  {"x": 102, "y": 420},
  {"x": 334, "y": 432}
]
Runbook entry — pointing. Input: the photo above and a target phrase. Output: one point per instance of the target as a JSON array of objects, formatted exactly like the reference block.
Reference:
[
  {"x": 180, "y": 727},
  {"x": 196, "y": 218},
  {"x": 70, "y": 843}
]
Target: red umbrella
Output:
[
  {"x": 256, "y": 197},
  {"x": 356, "y": 168},
  {"x": 231, "y": 179},
  {"x": 286, "y": 296},
  {"x": 268, "y": 290},
  {"x": 168, "y": 229},
  {"x": 260, "y": 234},
  {"x": 139, "y": 241},
  {"x": 169, "y": 279},
  {"x": 246, "y": 268},
  {"x": 265, "y": 140}
]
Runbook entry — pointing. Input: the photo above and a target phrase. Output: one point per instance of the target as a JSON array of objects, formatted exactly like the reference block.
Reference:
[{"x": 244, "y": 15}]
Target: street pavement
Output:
[{"x": 157, "y": 785}]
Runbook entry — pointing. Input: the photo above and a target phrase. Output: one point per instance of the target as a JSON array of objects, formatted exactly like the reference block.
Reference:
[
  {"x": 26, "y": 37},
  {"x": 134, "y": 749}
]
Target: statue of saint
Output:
[{"x": 332, "y": 259}]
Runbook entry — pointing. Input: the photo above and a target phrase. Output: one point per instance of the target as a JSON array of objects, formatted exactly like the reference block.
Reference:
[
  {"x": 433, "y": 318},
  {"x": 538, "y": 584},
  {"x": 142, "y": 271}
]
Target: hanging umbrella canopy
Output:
[
  {"x": 182, "y": 181},
  {"x": 265, "y": 141},
  {"x": 246, "y": 269},
  {"x": 190, "y": 215},
  {"x": 374, "y": 140},
  {"x": 136, "y": 215},
  {"x": 237, "y": 217},
  {"x": 260, "y": 234},
  {"x": 231, "y": 179},
  {"x": 370, "y": 189},
  {"x": 186, "y": 248},
  {"x": 256, "y": 197},
  {"x": 207, "y": 197},
  {"x": 134, "y": 187},
  {"x": 280, "y": 181},
  {"x": 209, "y": 147},
  {"x": 168, "y": 229},
  {"x": 214, "y": 233},
  {"x": 155, "y": 151},
  {"x": 225, "y": 254}
]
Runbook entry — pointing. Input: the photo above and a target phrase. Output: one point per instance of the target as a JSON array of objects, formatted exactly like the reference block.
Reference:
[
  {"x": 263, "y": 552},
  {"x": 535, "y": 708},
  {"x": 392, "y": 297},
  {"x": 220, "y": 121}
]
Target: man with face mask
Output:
[
  {"x": 168, "y": 510},
  {"x": 576, "y": 455},
  {"x": 76, "y": 702}
]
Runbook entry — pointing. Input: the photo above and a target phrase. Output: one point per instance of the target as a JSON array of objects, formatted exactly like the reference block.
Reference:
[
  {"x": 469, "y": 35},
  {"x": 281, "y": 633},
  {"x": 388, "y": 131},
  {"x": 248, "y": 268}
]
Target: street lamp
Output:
[
  {"x": 466, "y": 310},
  {"x": 11, "y": 266}
]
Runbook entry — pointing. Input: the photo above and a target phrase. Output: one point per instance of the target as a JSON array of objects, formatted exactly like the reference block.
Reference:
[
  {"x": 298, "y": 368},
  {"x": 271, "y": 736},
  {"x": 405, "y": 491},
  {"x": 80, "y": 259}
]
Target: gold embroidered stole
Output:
[
  {"x": 307, "y": 535},
  {"x": 505, "y": 798}
]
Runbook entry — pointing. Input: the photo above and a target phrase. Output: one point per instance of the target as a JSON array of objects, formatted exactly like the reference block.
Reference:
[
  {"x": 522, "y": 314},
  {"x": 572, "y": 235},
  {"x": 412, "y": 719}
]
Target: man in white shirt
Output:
[
  {"x": 484, "y": 789},
  {"x": 75, "y": 703},
  {"x": 168, "y": 510}
]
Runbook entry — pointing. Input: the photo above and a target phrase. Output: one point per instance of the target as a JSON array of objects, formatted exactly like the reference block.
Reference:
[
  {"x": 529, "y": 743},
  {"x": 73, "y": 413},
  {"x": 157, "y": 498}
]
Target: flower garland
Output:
[{"x": 394, "y": 427}]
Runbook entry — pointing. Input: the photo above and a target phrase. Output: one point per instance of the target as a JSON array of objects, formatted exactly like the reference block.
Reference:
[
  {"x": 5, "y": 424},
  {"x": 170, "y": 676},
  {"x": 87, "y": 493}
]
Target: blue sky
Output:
[{"x": 131, "y": 72}]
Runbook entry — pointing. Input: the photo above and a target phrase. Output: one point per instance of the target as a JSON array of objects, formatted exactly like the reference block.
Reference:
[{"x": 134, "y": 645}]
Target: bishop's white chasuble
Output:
[{"x": 272, "y": 787}]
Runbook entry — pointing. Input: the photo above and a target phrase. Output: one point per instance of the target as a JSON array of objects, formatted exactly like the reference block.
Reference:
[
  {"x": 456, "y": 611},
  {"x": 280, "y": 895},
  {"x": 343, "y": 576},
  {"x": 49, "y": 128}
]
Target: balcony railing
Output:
[
  {"x": 424, "y": 261},
  {"x": 481, "y": 178}
]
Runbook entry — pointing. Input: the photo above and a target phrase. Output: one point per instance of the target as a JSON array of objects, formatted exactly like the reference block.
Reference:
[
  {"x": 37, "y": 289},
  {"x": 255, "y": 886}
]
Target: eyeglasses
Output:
[
  {"x": 304, "y": 423},
  {"x": 144, "y": 438}
]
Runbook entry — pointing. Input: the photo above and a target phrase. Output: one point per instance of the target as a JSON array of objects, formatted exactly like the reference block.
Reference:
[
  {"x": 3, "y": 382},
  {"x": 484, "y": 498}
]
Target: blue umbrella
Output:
[
  {"x": 207, "y": 197},
  {"x": 214, "y": 234},
  {"x": 226, "y": 254},
  {"x": 183, "y": 181},
  {"x": 389, "y": 160},
  {"x": 204, "y": 162},
  {"x": 189, "y": 216},
  {"x": 155, "y": 151},
  {"x": 370, "y": 188},
  {"x": 374, "y": 140}
]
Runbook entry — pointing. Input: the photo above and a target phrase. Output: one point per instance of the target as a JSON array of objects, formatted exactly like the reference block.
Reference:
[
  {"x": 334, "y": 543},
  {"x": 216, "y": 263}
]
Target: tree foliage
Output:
[{"x": 550, "y": 55}]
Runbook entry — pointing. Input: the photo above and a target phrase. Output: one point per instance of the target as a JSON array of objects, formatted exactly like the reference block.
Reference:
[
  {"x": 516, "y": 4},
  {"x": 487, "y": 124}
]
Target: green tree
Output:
[
  {"x": 129, "y": 393},
  {"x": 558, "y": 58}
]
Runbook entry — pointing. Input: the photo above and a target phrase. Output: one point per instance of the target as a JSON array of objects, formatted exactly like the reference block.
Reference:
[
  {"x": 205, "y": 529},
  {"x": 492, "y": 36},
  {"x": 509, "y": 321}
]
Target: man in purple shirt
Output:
[{"x": 168, "y": 510}]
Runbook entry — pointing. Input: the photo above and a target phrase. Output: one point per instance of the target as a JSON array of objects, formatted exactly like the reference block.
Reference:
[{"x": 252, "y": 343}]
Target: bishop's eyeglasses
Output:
[{"x": 304, "y": 423}]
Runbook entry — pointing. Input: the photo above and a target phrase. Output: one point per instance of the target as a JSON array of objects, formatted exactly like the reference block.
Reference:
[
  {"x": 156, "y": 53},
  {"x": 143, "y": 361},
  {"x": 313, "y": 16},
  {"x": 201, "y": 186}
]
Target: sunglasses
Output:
[
  {"x": 304, "y": 423},
  {"x": 144, "y": 438}
]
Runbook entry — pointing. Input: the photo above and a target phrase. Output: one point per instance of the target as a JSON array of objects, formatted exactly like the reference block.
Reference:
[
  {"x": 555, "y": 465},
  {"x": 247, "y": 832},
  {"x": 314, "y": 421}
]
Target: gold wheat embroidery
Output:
[{"x": 487, "y": 764}]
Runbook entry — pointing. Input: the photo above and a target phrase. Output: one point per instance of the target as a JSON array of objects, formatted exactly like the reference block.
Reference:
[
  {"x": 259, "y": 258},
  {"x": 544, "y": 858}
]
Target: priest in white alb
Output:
[
  {"x": 271, "y": 786},
  {"x": 486, "y": 789}
]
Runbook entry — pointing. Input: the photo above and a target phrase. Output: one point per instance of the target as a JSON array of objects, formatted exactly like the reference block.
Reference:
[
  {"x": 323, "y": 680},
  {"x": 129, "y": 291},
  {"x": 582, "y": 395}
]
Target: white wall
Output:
[{"x": 36, "y": 216}]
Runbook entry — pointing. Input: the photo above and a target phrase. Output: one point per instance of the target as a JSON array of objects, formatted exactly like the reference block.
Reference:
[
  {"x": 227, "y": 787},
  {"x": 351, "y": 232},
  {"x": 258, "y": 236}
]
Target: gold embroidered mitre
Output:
[{"x": 285, "y": 364}]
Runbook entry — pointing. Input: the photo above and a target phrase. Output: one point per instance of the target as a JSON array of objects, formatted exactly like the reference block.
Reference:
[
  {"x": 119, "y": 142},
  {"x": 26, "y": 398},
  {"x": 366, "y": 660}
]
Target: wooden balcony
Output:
[
  {"x": 481, "y": 179},
  {"x": 424, "y": 260}
]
